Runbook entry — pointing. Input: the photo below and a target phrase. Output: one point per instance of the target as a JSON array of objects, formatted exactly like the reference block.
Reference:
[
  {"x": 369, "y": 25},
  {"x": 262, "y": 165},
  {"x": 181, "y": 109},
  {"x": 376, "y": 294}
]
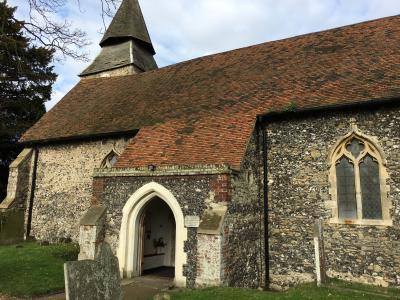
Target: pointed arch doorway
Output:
[
  {"x": 135, "y": 239},
  {"x": 156, "y": 238}
]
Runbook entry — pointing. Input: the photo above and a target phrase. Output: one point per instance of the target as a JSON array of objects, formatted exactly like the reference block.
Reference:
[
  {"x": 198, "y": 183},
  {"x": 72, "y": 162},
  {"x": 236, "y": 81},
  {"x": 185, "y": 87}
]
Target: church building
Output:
[{"x": 248, "y": 168}]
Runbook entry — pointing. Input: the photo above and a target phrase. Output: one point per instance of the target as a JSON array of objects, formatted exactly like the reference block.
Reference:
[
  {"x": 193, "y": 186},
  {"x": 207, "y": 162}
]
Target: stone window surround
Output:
[
  {"x": 106, "y": 162},
  {"x": 373, "y": 149}
]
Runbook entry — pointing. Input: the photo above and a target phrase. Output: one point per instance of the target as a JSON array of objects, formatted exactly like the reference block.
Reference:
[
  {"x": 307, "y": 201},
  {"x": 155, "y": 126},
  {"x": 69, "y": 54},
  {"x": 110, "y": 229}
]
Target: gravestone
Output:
[
  {"x": 11, "y": 226},
  {"x": 96, "y": 279}
]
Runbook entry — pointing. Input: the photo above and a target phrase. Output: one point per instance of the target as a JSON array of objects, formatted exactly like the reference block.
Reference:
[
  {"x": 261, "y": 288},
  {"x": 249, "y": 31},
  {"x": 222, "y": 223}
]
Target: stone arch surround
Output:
[
  {"x": 128, "y": 239},
  {"x": 373, "y": 149}
]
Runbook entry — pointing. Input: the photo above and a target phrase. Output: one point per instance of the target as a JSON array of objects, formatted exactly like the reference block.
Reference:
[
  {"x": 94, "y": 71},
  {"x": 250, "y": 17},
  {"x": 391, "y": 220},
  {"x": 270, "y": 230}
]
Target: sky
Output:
[{"x": 184, "y": 29}]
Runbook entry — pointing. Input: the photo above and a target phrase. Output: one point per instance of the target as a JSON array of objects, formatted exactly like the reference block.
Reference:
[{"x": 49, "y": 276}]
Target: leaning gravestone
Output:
[{"x": 96, "y": 279}]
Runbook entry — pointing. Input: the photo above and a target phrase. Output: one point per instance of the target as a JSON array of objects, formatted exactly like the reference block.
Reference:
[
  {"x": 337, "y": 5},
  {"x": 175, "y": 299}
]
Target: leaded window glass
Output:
[
  {"x": 346, "y": 190},
  {"x": 370, "y": 189},
  {"x": 356, "y": 171},
  {"x": 355, "y": 147}
]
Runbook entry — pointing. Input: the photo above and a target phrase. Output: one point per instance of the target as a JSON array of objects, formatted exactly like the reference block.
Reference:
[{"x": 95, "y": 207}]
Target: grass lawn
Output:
[
  {"x": 338, "y": 291},
  {"x": 32, "y": 269}
]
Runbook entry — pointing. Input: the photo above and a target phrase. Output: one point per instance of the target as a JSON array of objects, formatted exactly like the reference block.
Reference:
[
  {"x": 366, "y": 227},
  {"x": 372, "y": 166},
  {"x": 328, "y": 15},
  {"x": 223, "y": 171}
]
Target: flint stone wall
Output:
[
  {"x": 64, "y": 185},
  {"x": 299, "y": 189},
  {"x": 243, "y": 233},
  {"x": 194, "y": 193}
]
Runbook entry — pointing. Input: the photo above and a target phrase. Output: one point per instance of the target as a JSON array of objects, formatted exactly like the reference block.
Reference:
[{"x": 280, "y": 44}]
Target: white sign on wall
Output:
[{"x": 192, "y": 221}]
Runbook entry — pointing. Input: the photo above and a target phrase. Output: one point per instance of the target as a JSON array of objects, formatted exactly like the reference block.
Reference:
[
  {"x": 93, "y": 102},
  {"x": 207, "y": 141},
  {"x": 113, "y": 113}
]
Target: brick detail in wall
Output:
[
  {"x": 221, "y": 185},
  {"x": 98, "y": 188}
]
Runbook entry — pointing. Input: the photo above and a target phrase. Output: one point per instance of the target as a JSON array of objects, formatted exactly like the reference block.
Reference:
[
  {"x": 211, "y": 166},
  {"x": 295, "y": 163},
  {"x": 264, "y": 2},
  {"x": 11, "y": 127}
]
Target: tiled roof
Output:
[
  {"x": 189, "y": 107},
  {"x": 214, "y": 139}
]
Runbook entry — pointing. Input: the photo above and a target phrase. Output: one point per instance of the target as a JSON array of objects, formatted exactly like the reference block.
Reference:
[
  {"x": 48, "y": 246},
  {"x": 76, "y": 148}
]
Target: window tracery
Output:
[
  {"x": 358, "y": 181},
  {"x": 110, "y": 160}
]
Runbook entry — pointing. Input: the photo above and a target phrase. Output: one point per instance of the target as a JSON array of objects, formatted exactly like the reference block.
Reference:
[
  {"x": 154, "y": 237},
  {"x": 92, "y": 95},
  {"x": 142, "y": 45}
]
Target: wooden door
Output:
[{"x": 141, "y": 237}]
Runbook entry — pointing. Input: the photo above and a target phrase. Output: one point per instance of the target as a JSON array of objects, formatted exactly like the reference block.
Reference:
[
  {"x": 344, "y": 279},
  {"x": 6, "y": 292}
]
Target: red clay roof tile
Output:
[{"x": 203, "y": 110}]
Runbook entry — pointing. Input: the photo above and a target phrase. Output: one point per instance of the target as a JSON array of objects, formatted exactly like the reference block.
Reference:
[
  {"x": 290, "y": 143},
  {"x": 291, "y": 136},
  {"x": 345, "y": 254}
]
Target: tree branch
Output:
[
  {"x": 108, "y": 8},
  {"x": 42, "y": 28},
  {"x": 58, "y": 37}
]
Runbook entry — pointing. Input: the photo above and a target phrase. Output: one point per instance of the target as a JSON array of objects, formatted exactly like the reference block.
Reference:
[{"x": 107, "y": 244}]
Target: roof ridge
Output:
[
  {"x": 200, "y": 58},
  {"x": 276, "y": 76},
  {"x": 278, "y": 40}
]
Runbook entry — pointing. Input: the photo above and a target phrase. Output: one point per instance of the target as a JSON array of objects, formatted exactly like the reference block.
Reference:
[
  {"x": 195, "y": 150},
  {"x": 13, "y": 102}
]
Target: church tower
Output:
[{"x": 126, "y": 47}]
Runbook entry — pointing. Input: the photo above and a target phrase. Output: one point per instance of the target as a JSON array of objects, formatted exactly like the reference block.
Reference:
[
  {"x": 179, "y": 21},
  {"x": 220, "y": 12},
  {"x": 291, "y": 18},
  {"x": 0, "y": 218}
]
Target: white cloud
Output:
[{"x": 182, "y": 29}]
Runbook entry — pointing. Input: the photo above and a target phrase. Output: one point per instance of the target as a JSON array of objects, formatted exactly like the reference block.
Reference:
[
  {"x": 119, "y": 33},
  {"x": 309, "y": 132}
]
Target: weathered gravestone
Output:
[
  {"x": 96, "y": 275},
  {"x": 96, "y": 279}
]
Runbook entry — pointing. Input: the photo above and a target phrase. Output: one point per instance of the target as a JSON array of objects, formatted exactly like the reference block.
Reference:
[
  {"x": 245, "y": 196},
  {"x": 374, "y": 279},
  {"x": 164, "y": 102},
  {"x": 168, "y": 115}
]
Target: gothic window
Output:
[
  {"x": 110, "y": 160},
  {"x": 358, "y": 181},
  {"x": 346, "y": 189},
  {"x": 370, "y": 188}
]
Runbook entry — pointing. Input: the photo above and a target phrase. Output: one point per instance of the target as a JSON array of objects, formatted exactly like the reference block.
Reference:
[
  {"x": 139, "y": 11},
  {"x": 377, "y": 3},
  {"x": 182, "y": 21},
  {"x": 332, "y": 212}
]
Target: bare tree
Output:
[
  {"x": 108, "y": 8},
  {"x": 43, "y": 28}
]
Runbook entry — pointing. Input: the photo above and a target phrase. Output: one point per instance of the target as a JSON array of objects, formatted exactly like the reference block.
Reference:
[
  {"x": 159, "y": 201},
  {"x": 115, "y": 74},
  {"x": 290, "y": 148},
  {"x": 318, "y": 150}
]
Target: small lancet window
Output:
[
  {"x": 110, "y": 160},
  {"x": 370, "y": 188},
  {"x": 346, "y": 189},
  {"x": 357, "y": 170}
]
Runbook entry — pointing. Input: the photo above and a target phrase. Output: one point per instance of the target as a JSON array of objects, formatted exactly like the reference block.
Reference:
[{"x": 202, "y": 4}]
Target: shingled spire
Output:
[{"x": 126, "y": 46}]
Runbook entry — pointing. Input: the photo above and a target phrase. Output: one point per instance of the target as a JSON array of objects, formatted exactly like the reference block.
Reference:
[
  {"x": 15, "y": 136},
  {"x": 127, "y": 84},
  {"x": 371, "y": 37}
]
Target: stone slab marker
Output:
[
  {"x": 96, "y": 274},
  {"x": 96, "y": 279},
  {"x": 319, "y": 252}
]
